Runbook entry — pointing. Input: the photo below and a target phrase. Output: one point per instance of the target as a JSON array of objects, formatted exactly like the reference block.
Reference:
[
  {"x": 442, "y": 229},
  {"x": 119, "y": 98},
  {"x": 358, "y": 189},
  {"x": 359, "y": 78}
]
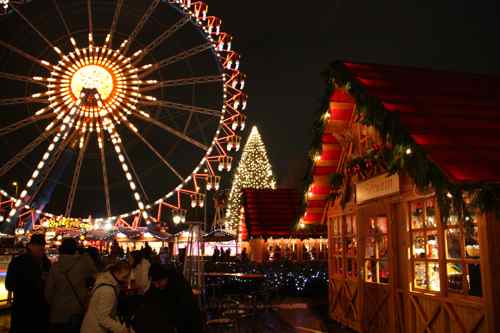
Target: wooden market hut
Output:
[
  {"x": 405, "y": 174},
  {"x": 267, "y": 225}
]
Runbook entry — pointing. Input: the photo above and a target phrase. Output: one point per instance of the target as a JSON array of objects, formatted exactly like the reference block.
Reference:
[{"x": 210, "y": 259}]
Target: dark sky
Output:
[{"x": 286, "y": 44}]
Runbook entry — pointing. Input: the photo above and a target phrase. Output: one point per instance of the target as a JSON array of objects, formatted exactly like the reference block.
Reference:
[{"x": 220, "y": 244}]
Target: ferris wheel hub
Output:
[
  {"x": 92, "y": 77},
  {"x": 106, "y": 72}
]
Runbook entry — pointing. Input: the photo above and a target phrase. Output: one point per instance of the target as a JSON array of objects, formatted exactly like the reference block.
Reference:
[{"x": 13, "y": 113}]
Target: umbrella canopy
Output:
[
  {"x": 219, "y": 236},
  {"x": 159, "y": 233},
  {"x": 100, "y": 234}
]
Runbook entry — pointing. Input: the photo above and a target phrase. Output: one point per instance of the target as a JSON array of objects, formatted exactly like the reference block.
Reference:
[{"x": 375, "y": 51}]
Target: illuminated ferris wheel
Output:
[{"x": 107, "y": 105}]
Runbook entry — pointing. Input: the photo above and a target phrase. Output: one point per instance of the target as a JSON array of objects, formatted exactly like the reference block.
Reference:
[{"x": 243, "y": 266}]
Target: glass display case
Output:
[
  {"x": 377, "y": 269},
  {"x": 462, "y": 249},
  {"x": 345, "y": 246},
  {"x": 424, "y": 235}
]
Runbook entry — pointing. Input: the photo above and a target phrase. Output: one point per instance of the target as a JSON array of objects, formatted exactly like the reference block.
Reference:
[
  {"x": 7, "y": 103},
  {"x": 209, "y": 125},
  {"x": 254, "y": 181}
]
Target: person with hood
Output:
[
  {"x": 102, "y": 316},
  {"x": 67, "y": 288},
  {"x": 26, "y": 278},
  {"x": 156, "y": 308},
  {"x": 168, "y": 304}
]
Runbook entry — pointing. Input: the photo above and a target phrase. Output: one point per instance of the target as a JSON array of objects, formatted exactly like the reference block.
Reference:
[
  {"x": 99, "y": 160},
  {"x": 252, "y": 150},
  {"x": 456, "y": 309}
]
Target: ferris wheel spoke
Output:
[
  {"x": 61, "y": 16},
  {"x": 116, "y": 17},
  {"x": 157, "y": 153},
  {"x": 188, "y": 122},
  {"x": 39, "y": 33},
  {"x": 20, "y": 78},
  {"x": 178, "y": 57},
  {"x": 136, "y": 175},
  {"x": 48, "y": 161},
  {"x": 183, "y": 107},
  {"x": 25, "y": 152},
  {"x": 104, "y": 169},
  {"x": 25, "y": 55},
  {"x": 91, "y": 21},
  {"x": 127, "y": 167},
  {"x": 184, "y": 82},
  {"x": 45, "y": 172},
  {"x": 25, "y": 122},
  {"x": 76, "y": 175},
  {"x": 22, "y": 100},
  {"x": 201, "y": 128},
  {"x": 164, "y": 36},
  {"x": 172, "y": 131},
  {"x": 140, "y": 25}
]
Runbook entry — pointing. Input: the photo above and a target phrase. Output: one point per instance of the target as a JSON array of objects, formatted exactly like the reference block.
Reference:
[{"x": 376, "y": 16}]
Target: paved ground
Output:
[
  {"x": 306, "y": 318},
  {"x": 292, "y": 316},
  {"x": 4, "y": 321}
]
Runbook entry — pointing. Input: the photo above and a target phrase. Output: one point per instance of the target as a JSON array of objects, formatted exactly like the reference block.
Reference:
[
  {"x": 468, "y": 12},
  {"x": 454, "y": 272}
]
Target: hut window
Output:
[
  {"x": 376, "y": 251},
  {"x": 345, "y": 246},
  {"x": 425, "y": 241},
  {"x": 462, "y": 255}
]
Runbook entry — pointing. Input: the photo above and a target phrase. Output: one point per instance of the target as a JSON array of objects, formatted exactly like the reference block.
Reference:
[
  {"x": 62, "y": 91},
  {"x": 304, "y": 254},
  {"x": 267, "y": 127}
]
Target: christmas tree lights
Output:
[{"x": 254, "y": 171}]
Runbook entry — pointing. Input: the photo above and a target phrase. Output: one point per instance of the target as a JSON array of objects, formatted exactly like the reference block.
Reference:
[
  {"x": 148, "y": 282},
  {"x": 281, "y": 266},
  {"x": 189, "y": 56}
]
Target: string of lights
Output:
[{"x": 254, "y": 171}]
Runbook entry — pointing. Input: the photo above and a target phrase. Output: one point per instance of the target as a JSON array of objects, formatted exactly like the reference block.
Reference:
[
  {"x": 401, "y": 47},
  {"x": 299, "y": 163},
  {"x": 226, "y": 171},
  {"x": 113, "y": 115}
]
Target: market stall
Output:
[
  {"x": 404, "y": 172},
  {"x": 266, "y": 228}
]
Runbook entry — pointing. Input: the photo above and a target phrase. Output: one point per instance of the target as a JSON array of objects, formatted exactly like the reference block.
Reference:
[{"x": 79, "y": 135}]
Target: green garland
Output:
[
  {"x": 316, "y": 147},
  {"x": 394, "y": 157},
  {"x": 424, "y": 172}
]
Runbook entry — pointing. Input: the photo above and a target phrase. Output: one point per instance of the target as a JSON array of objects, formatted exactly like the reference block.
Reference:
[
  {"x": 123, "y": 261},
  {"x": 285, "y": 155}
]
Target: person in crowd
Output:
[
  {"x": 277, "y": 253},
  {"x": 26, "y": 276},
  {"x": 228, "y": 254},
  {"x": 93, "y": 254},
  {"x": 116, "y": 250},
  {"x": 216, "y": 254},
  {"x": 156, "y": 308},
  {"x": 168, "y": 304},
  {"x": 67, "y": 288},
  {"x": 222, "y": 254},
  {"x": 164, "y": 255},
  {"x": 140, "y": 271},
  {"x": 101, "y": 315},
  {"x": 244, "y": 255},
  {"x": 148, "y": 251}
]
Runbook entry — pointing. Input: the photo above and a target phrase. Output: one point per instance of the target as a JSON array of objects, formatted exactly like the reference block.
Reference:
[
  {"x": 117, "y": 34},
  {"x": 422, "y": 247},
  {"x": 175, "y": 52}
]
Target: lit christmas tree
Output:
[{"x": 254, "y": 171}]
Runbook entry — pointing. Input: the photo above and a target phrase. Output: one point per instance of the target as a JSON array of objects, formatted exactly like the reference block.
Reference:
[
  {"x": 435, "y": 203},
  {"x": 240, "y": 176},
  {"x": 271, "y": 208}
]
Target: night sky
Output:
[{"x": 286, "y": 45}]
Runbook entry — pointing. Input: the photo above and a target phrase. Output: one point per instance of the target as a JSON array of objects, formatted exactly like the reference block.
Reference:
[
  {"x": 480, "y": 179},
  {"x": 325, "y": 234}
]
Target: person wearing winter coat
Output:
[
  {"x": 25, "y": 279},
  {"x": 140, "y": 272},
  {"x": 169, "y": 305},
  {"x": 67, "y": 288},
  {"x": 101, "y": 315}
]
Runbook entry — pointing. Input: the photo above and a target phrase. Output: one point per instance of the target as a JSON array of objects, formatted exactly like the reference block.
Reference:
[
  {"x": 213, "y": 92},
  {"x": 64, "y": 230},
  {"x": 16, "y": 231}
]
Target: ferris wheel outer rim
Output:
[{"x": 200, "y": 24}]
